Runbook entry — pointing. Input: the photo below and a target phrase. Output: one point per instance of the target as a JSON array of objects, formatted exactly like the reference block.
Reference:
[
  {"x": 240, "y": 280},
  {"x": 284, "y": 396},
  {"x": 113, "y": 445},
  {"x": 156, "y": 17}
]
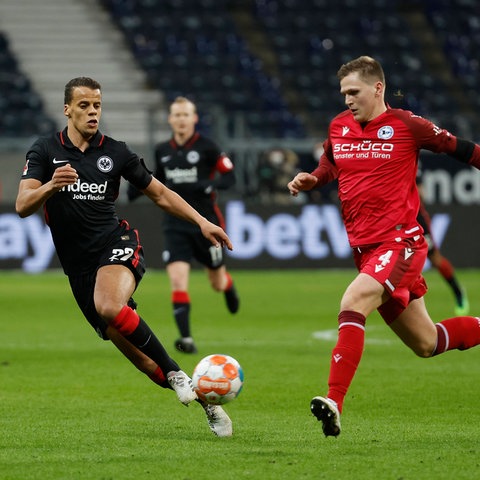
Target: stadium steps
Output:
[{"x": 56, "y": 40}]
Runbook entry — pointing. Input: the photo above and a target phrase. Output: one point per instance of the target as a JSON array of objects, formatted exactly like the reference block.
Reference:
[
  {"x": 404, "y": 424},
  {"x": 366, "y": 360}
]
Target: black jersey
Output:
[
  {"x": 82, "y": 216},
  {"x": 195, "y": 171}
]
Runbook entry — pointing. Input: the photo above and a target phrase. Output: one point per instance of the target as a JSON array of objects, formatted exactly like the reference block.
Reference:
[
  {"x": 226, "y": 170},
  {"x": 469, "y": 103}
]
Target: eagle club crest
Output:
[
  {"x": 104, "y": 164},
  {"x": 193, "y": 157}
]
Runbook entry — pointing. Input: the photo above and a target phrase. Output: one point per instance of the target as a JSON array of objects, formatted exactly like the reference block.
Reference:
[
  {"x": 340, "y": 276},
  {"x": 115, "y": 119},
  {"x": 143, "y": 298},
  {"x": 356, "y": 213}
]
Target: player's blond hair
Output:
[
  {"x": 367, "y": 67},
  {"x": 181, "y": 99}
]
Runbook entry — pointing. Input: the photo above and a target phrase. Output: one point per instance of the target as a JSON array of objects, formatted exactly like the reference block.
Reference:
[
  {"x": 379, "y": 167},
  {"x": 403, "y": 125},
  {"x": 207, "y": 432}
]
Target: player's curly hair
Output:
[
  {"x": 79, "y": 82},
  {"x": 367, "y": 67}
]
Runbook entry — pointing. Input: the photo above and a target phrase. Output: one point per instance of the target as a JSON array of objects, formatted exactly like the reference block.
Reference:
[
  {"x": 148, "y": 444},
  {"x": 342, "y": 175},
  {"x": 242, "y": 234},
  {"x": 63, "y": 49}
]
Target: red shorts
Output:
[{"x": 398, "y": 267}]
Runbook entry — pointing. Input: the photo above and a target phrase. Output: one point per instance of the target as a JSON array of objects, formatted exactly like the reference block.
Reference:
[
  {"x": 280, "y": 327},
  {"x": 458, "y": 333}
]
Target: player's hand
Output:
[
  {"x": 62, "y": 176},
  {"x": 216, "y": 235},
  {"x": 302, "y": 181}
]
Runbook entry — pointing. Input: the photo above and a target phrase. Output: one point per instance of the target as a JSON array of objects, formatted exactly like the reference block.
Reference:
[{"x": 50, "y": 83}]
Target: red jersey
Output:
[{"x": 376, "y": 166}]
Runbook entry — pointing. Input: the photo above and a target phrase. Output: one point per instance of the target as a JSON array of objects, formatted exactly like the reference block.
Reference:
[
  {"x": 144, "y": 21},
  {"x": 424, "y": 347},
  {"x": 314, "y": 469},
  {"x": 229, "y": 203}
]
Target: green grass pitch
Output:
[{"x": 71, "y": 407}]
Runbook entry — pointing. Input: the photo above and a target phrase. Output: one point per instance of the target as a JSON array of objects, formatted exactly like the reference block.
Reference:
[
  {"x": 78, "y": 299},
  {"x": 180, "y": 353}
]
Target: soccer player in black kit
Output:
[
  {"x": 75, "y": 175},
  {"x": 194, "y": 167}
]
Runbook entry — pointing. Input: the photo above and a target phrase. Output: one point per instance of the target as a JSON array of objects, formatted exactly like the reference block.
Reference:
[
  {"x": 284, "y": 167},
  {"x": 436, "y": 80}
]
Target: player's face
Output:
[
  {"x": 84, "y": 111},
  {"x": 182, "y": 118},
  {"x": 365, "y": 100}
]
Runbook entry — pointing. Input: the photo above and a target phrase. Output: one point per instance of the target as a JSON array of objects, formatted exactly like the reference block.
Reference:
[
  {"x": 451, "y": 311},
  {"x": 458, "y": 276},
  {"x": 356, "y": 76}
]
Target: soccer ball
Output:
[{"x": 217, "y": 379}]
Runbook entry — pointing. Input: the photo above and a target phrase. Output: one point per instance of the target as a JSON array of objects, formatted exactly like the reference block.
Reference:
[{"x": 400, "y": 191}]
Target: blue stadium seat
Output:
[{"x": 195, "y": 47}]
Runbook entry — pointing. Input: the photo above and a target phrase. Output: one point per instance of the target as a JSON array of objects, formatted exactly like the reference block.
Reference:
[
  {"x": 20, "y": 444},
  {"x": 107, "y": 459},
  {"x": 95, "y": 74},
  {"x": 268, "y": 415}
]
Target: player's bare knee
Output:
[
  {"x": 108, "y": 310},
  {"x": 424, "y": 350}
]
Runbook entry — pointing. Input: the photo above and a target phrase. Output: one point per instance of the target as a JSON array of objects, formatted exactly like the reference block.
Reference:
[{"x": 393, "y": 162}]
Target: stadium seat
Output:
[
  {"x": 198, "y": 48},
  {"x": 22, "y": 108}
]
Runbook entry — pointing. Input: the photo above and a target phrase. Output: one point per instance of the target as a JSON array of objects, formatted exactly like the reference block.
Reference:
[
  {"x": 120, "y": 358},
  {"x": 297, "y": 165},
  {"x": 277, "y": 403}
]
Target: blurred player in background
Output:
[
  {"x": 373, "y": 151},
  {"x": 438, "y": 261},
  {"x": 75, "y": 176},
  {"x": 194, "y": 167}
]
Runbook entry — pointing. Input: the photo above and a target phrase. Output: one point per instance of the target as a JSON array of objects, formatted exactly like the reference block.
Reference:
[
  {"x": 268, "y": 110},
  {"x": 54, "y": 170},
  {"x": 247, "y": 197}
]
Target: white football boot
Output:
[
  {"x": 182, "y": 384},
  {"x": 218, "y": 420}
]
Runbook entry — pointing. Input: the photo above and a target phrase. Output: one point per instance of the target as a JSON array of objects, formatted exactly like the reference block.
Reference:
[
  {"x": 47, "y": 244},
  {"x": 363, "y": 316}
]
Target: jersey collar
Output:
[
  {"x": 187, "y": 144},
  {"x": 96, "y": 141}
]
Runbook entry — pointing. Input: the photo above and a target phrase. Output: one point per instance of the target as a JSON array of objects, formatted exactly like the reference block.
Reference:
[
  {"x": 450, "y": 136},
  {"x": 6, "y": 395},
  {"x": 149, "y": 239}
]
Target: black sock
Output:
[
  {"x": 181, "y": 312},
  {"x": 145, "y": 340},
  {"x": 456, "y": 290}
]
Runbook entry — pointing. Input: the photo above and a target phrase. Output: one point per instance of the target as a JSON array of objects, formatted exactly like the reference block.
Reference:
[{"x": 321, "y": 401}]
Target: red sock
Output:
[
  {"x": 179, "y": 296},
  {"x": 459, "y": 333},
  {"x": 141, "y": 336},
  {"x": 181, "y": 311},
  {"x": 126, "y": 321},
  {"x": 446, "y": 269},
  {"x": 229, "y": 282},
  {"x": 158, "y": 377},
  {"x": 346, "y": 355}
]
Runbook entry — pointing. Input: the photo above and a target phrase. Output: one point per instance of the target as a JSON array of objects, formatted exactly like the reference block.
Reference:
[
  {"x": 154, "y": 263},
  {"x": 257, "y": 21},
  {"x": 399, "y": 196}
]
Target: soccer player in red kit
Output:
[{"x": 373, "y": 151}]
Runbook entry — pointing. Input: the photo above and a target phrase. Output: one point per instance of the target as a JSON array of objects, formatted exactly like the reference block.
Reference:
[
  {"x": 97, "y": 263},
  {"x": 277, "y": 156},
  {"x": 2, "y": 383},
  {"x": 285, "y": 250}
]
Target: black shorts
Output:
[
  {"x": 127, "y": 252},
  {"x": 183, "y": 246}
]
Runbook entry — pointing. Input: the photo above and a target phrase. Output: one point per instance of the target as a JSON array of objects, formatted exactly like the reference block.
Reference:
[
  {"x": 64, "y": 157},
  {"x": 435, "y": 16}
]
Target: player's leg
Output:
[
  {"x": 175, "y": 380},
  {"x": 442, "y": 264},
  {"x": 113, "y": 288},
  {"x": 446, "y": 270},
  {"x": 427, "y": 339},
  {"x": 361, "y": 298},
  {"x": 218, "y": 420},
  {"x": 221, "y": 281},
  {"x": 214, "y": 258},
  {"x": 415, "y": 328},
  {"x": 142, "y": 355},
  {"x": 179, "y": 274},
  {"x": 177, "y": 256},
  {"x": 145, "y": 364},
  {"x": 385, "y": 270}
]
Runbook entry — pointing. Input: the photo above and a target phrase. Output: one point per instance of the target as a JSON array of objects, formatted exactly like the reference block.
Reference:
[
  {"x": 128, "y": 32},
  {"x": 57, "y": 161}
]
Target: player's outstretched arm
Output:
[{"x": 174, "y": 204}]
